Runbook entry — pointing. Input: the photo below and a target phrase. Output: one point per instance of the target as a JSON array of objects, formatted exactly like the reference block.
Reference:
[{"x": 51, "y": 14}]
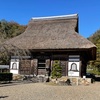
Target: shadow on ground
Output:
[
  {"x": 3, "y": 97},
  {"x": 14, "y": 83},
  {"x": 27, "y": 80}
]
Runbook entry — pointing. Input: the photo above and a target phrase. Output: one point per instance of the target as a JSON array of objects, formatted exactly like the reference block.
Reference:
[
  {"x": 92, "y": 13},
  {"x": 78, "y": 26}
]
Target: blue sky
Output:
[{"x": 21, "y": 11}]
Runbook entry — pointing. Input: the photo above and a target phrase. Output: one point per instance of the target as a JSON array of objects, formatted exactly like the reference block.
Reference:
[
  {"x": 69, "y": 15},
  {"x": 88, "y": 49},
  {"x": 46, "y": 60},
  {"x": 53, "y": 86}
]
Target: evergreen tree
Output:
[
  {"x": 95, "y": 65},
  {"x": 57, "y": 70},
  {"x": 9, "y": 30}
]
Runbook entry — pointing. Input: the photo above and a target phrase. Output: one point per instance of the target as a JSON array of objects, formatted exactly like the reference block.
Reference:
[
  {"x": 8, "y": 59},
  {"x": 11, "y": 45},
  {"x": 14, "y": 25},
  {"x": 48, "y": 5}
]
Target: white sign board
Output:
[
  {"x": 73, "y": 68},
  {"x": 14, "y": 66}
]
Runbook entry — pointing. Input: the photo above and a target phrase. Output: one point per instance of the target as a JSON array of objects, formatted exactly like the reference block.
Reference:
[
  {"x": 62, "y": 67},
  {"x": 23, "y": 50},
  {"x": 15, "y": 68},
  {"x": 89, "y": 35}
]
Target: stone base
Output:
[
  {"x": 72, "y": 80},
  {"x": 17, "y": 77}
]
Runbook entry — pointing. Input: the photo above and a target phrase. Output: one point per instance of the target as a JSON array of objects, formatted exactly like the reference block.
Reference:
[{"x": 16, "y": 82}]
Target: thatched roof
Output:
[{"x": 58, "y": 32}]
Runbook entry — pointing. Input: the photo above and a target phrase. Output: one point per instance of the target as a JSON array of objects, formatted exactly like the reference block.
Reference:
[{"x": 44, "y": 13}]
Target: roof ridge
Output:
[{"x": 56, "y": 17}]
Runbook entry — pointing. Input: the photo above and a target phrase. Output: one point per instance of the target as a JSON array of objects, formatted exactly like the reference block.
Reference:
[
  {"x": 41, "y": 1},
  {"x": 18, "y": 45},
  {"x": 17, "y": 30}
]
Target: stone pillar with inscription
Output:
[
  {"x": 48, "y": 70},
  {"x": 34, "y": 65}
]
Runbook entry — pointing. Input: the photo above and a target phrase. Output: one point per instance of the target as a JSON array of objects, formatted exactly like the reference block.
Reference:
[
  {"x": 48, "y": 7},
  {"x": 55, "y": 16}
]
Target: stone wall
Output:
[{"x": 72, "y": 81}]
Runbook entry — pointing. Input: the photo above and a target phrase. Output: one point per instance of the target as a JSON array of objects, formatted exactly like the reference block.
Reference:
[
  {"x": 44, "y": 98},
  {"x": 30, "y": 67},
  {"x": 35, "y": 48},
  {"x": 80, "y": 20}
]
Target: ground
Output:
[{"x": 42, "y": 91}]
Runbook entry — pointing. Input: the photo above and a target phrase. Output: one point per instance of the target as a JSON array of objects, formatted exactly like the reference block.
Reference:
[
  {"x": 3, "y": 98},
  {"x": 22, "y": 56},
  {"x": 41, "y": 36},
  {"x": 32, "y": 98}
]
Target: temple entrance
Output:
[{"x": 41, "y": 66}]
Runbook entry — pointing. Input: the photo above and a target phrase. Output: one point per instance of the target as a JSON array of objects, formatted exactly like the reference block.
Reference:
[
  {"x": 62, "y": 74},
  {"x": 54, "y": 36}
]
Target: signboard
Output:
[
  {"x": 14, "y": 66},
  {"x": 73, "y": 68}
]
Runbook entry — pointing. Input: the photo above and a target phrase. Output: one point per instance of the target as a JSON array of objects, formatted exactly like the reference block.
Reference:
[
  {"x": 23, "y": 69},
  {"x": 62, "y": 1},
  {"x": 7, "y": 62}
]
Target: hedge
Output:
[{"x": 6, "y": 76}]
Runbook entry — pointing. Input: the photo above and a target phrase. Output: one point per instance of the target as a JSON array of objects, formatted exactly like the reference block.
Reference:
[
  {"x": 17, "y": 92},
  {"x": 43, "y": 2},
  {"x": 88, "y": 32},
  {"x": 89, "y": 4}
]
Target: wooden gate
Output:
[
  {"x": 25, "y": 67},
  {"x": 63, "y": 64},
  {"x": 39, "y": 66}
]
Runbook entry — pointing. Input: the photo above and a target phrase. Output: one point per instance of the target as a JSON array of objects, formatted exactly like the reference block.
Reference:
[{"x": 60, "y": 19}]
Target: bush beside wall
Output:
[{"x": 6, "y": 76}]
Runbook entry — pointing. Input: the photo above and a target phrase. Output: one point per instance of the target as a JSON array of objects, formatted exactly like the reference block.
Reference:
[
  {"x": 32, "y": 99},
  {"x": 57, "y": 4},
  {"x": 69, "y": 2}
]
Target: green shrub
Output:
[
  {"x": 94, "y": 72},
  {"x": 6, "y": 76},
  {"x": 57, "y": 70}
]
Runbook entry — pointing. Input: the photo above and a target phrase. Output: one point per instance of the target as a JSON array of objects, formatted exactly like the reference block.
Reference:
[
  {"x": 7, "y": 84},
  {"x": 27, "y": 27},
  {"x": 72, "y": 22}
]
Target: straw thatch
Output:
[{"x": 52, "y": 33}]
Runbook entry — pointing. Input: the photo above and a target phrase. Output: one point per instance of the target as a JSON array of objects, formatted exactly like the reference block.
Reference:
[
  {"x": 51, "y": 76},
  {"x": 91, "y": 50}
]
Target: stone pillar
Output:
[{"x": 35, "y": 66}]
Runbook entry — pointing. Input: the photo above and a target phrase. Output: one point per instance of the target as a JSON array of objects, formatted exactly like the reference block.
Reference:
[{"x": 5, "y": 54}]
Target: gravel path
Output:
[{"x": 41, "y": 91}]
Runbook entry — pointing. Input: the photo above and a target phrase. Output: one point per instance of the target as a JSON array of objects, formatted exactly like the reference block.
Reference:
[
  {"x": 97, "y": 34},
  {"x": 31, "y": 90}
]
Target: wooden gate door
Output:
[
  {"x": 63, "y": 64},
  {"x": 25, "y": 67},
  {"x": 41, "y": 66}
]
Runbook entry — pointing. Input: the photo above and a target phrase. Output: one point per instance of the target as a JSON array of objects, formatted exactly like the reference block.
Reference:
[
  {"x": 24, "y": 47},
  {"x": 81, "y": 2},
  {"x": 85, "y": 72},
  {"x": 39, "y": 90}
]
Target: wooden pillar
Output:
[
  {"x": 80, "y": 69},
  {"x": 48, "y": 68},
  {"x": 66, "y": 68}
]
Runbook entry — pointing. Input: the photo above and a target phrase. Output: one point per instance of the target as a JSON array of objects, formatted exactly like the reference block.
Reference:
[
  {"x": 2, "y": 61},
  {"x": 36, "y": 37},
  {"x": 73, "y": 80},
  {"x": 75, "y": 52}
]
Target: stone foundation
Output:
[
  {"x": 72, "y": 80},
  {"x": 17, "y": 77}
]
